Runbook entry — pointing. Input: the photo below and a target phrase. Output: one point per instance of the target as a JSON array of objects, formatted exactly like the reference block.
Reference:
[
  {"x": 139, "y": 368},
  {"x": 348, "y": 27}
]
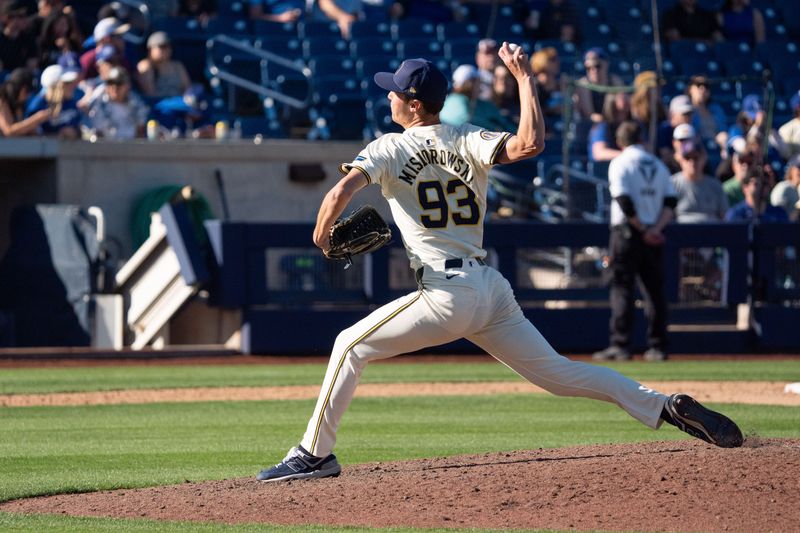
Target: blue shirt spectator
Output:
[
  {"x": 59, "y": 93},
  {"x": 756, "y": 193},
  {"x": 744, "y": 212}
]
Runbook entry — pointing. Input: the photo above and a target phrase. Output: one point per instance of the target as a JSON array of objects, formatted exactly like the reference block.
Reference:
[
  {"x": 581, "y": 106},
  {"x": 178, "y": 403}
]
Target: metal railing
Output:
[
  {"x": 267, "y": 88},
  {"x": 576, "y": 203}
]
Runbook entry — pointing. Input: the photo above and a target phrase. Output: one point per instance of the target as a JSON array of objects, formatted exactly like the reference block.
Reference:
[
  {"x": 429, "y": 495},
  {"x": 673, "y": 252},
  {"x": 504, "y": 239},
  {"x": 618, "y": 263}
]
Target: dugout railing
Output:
[{"x": 295, "y": 301}]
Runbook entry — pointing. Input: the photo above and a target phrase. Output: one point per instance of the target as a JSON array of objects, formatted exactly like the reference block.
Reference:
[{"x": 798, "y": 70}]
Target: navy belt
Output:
[{"x": 450, "y": 263}]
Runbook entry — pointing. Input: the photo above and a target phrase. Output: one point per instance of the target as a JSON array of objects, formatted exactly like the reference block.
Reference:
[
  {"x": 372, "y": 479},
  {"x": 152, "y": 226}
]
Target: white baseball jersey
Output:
[
  {"x": 435, "y": 179},
  {"x": 644, "y": 178}
]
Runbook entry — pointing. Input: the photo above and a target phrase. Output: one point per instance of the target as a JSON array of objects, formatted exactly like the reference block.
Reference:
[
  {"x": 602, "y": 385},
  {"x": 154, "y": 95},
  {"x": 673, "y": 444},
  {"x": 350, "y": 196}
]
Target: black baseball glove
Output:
[{"x": 362, "y": 232}]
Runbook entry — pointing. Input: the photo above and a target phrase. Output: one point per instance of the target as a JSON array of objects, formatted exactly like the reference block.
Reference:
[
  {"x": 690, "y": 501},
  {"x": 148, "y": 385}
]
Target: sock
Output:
[
  {"x": 666, "y": 417},
  {"x": 306, "y": 452}
]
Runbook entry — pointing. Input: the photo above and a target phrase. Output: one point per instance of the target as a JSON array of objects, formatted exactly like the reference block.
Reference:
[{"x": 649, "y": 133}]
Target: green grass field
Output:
[{"x": 48, "y": 450}]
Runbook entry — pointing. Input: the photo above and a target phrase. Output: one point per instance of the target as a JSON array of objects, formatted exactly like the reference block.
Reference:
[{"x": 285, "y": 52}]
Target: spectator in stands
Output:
[
  {"x": 786, "y": 193},
  {"x": 790, "y": 132},
  {"x": 276, "y": 10},
  {"x": 107, "y": 31},
  {"x": 547, "y": 69},
  {"x": 741, "y": 163},
  {"x": 756, "y": 187},
  {"x": 59, "y": 95},
  {"x": 343, "y": 12},
  {"x": 46, "y": 8},
  {"x": 506, "y": 93},
  {"x": 93, "y": 88},
  {"x": 647, "y": 95},
  {"x": 680, "y": 112},
  {"x": 700, "y": 197},
  {"x": 59, "y": 35},
  {"x": 589, "y": 103},
  {"x": 486, "y": 59},
  {"x": 602, "y": 139},
  {"x": 463, "y": 105},
  {"x": 558, "y": 20},
  {"x": 751, "y": 123},
  {"x": 202, "y": 10},
  {"x": 119, "y": 113},
  {"x": 17, "y": 43},
  {"x": 14, "y": 94},
  {"x": 687, "y": 20},
  {"x": 708, "y": 118},
  {"x": 160, "y": 75},
  {"x": 186, "y": 115},
  {"x": 740, "y": 21}
]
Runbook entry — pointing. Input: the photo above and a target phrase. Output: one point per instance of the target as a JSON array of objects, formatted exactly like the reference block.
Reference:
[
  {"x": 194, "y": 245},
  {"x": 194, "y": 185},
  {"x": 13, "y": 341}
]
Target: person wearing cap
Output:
[
  {"x": 435, "y": 178},
  {"x": 790, "y": 132},
  {"x": 589, "y": 103},
  {"x": 17, "y": 42},
  {"x": 107, "y": 31},
  {"x": 159, "y": 75},
  {"x": 119, "y": 113},
  {"x": 14, "y": 94},
  {"x": 643, "y": 201},
  {"x": 59, "y": 93},
  {"x": 462, "y": 105},
  {"x": 547, "y": 68},
  {"x": 786, "y": 193},
  {"x": 93, "y": 88},
  {"x": 700, "y": 197},
  {"x": 708, "y": 117},
  {"x": 680, "y": 113},
  {"x": 687, "y": 20},
  {"x": 756, "y": 187},
  {"x": 276, "y": 10},
  {"x": 486, "y": 60}
]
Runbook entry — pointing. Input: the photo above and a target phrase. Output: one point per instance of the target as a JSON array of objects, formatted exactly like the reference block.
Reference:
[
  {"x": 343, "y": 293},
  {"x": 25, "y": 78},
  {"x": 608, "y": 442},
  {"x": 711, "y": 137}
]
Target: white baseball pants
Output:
[{"x": 476, "y": 303}]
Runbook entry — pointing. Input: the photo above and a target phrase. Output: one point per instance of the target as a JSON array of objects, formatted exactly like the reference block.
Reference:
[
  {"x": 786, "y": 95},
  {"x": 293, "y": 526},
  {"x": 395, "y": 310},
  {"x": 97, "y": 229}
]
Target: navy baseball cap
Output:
[{"x": 417, "y": 78}]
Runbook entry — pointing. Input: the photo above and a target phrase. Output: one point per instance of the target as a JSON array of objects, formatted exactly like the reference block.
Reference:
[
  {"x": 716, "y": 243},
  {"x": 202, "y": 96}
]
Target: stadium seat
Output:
[
  {"x": 346, "y": 116},
  {"x": 228, "y": 26},
  {"x": 287, "y": 48},
  {"x": 265, "y": 28},
  {"x": 325, "y": 86},
  {"x": 325, "y": 45},
  {"x": 366, "y": 67},
  {"x": 249, "y": 127},
  {"x": 369, "y": 28},
  {"x": 413, "y": 29},
  {"x": 458, "y": 30},
  {"x": 421, "y": 47},
  {"x": 372, "y": 46},
  {"x": 179, "y": 27},
  {"x": 232, "y": 9},
  {"x": 460, "y": 48},
  {"x": 318, "y": 28},
  {"x": 379, "y": 112},
  {"x": 332, "y": 65},
  {"x": 732, "y": 50},
  {"x": 687, "y": 48}
]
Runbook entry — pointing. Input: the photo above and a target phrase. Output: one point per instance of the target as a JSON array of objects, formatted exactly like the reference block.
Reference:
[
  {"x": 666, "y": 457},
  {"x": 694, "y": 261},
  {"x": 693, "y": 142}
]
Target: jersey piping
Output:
[{"x": 341, "y": 362}]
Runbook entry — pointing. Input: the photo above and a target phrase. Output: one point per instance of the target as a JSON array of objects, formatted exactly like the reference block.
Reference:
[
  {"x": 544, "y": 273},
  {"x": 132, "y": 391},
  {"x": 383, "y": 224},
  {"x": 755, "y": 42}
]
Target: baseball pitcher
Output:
[{"x": 435, "y": 179}]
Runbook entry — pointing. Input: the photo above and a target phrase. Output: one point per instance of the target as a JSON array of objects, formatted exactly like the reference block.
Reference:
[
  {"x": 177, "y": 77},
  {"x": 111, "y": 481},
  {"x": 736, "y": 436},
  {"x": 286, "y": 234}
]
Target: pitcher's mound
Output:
[{"x": 655, "y": 486}]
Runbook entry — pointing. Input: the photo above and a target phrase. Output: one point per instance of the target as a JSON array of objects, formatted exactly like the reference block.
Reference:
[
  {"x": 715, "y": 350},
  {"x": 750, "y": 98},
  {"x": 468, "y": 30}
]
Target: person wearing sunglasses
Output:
[
  {"x": 700, "y": 197},
  {"x": 159, "y": 74}
]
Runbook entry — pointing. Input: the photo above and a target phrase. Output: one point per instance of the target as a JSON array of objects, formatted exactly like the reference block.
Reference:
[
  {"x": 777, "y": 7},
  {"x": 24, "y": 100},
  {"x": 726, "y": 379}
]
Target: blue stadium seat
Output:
[
  {"x": 252, "y": 126},
  {"x": 346, "y": 116},
  {"x": 288, "y": 48},
  {"x": 318, "y": 28},
  {"x": 325, "y": 86},
  {"x": 179, "y": 27},
  {"x": 325, "y": 45},
  {"x": 460, "y": 48},
  {"x": 413, "y": 28},
  {"x": 332, "y": 65},
  {"x": 228, "y": 26},
  {"x": 421, "y": 47},
  {"x": 367, "y": 66},
  {"x": 187, "y": 51},
  {"x": 232, "y": 9},
  {"x": 686, "y": 48},
  {"x": 369, "y": 28},
  {"x": 458, "y": 30},
  {"x": 732, "y": 50},
  {"x": 268, "y": 29},
  {"x": 379, "y": 112},
  {"x": 372, "y": 46}
]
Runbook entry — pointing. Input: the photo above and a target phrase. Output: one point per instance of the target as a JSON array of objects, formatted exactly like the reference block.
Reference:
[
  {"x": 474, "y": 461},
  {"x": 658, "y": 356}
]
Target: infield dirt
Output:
[{"x": 683, "y": 486}]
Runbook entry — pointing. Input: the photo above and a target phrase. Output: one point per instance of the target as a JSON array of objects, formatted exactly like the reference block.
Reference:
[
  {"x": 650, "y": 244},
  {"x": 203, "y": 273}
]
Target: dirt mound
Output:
[{"x": 658, "y": 486}]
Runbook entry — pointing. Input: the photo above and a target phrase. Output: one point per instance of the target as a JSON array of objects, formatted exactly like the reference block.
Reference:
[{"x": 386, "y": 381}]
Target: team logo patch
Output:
[
  {"x": 429, "y": 142},
  {"x": 490, "y": 135}
]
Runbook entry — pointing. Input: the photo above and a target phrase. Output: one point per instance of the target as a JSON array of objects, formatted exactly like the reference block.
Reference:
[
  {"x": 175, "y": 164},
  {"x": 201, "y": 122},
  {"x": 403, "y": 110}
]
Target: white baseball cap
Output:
[
  {"x": 55, "y": 73},
  {"x": 107, "y": 27},
  {"x": 463, "y": 74},
  {"x": 681, "y": 104},
  {"x": 683, "y": 132}
]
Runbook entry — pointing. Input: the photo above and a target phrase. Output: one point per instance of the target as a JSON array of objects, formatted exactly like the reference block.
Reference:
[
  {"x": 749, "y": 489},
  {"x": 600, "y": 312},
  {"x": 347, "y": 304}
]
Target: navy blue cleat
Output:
[
  {"x": 299, "y": 464},
  {"x": 688, "y": 415}
]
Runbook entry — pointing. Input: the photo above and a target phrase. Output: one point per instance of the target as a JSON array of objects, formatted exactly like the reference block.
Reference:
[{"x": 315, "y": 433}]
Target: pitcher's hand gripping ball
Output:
[{"x": 362, "y": 232}]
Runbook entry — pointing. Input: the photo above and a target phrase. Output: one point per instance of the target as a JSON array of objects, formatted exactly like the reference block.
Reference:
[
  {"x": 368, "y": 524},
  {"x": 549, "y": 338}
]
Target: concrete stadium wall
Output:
[{"x": 112, "y": 175}]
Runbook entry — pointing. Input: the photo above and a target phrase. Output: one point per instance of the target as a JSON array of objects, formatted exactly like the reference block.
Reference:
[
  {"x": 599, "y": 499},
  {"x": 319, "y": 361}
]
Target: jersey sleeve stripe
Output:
[
  {"x": 497, "y": 149},
  {"x": 346, "y": 167}
]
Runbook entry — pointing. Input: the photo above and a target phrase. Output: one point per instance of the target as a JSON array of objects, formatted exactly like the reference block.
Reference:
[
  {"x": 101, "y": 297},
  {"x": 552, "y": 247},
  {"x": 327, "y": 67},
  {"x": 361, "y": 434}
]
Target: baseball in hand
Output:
[{"x": 512, "y": 47}]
